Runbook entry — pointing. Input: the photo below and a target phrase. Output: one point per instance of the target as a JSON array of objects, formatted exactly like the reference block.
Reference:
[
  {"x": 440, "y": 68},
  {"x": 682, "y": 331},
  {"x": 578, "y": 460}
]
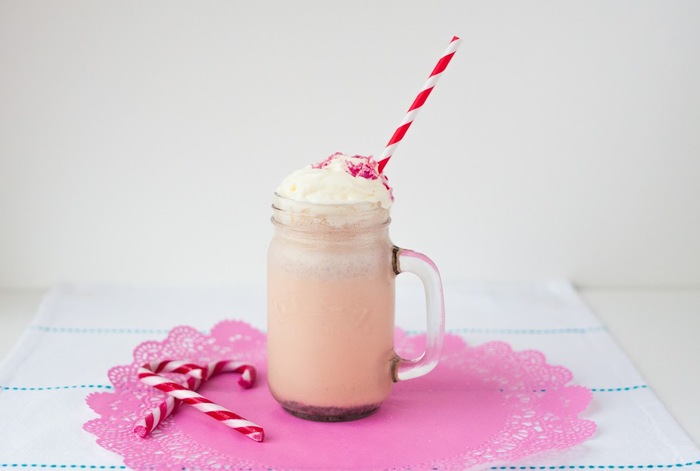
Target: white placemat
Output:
[{"x": 80, "y": 331}]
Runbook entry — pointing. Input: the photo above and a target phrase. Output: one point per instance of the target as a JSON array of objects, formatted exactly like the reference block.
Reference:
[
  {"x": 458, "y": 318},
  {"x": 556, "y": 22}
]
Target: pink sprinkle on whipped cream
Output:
[
  {"x": 367, "y": 167},
  {"x": 359, "y": 166}
]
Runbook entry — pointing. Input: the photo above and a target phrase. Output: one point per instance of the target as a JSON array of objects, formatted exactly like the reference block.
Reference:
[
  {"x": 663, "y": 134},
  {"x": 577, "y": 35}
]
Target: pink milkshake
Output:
[{"x": 331, "y": 272}]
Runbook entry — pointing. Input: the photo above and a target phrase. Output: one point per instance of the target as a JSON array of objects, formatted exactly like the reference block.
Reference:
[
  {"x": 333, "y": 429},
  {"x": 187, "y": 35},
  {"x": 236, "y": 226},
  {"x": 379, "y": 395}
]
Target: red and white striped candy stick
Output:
[
  {"x": 418, "y": 102},
  {"x": 194, "y": 374},
  {"x": 178, "y": 393}
]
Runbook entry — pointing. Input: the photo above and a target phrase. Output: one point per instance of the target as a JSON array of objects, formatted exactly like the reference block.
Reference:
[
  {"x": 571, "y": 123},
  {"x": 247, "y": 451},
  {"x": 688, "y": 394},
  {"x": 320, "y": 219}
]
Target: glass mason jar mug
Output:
[{"x": 330, "y": 338}]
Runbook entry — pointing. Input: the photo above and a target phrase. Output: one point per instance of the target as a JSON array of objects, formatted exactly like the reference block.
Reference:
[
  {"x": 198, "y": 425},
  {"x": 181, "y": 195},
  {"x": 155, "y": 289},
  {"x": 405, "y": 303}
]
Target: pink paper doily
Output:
[{"x": 482, "y": 404}]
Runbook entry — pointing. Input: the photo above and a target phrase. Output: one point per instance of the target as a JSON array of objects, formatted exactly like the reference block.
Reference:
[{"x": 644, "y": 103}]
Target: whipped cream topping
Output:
[{"x": 339, "y": 179}]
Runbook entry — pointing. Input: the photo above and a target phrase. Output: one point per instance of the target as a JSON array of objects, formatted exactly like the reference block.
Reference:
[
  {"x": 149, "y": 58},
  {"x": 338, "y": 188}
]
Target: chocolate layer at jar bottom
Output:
[{"x": 329, "y": 414}]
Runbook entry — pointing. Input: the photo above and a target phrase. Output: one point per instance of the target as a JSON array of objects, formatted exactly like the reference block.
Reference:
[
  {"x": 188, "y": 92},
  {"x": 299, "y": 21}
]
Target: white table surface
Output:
[{"x": 658, "y": 328}]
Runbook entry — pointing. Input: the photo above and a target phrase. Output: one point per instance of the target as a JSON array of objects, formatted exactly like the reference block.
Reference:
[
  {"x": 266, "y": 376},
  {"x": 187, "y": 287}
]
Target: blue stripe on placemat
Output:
[
  {"x": 95, "y": 330},
  {"x": 603, "y": 466},
  {"x": 563, "y": 330},
  {"x": 516, "y": 331},
  {"x": 464, "y": 330},
  {"x": 61, "y": 466},
  {"x": 107, "y": 386},
  {"x": 55, "y": 388},
  {"x": 545, "y": 467},
  {"x": 626, "y": 388}
]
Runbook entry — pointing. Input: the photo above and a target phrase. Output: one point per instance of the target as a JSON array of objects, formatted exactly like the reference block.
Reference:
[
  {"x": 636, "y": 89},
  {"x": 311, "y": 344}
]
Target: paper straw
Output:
[
  {"x": 196, "y": 376},
  {"x": 418, "y": 102}
]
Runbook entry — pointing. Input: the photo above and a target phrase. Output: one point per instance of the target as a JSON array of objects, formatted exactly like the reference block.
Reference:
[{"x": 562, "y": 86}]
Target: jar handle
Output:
[{"x": 408, "y": 261}]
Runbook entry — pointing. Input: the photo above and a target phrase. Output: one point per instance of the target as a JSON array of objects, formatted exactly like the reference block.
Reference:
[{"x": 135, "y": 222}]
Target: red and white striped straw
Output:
[
  {"x": 178, "y": 393},
  {"x": 418, "y": 102}
]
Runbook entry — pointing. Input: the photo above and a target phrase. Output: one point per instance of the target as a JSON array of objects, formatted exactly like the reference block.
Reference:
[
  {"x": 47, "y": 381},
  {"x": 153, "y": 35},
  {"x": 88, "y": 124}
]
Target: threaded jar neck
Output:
[{"x": 352, "y": 216}]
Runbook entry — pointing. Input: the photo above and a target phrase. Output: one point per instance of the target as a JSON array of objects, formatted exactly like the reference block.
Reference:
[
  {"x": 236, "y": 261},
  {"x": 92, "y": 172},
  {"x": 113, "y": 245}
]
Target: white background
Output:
[{"x": 142, "y": 141}]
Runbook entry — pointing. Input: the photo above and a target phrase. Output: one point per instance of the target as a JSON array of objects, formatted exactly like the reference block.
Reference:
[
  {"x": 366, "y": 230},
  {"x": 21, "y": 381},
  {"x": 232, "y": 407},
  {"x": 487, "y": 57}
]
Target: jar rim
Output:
[
  {"x": 328, "y": 216},
  {"x": 356, "y": 205}
]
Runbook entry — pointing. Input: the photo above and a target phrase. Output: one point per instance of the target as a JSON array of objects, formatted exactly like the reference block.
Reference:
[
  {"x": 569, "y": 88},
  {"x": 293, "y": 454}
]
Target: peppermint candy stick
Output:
[
  {"x": 199, "y": 402},
  {"x": 196, "y": 375},
  {"x": 195, "y": 378},
  {"x": 178, "y": 393},
  {"x": 157, "y": 415},
  {"x": 247, "y": 379}
]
